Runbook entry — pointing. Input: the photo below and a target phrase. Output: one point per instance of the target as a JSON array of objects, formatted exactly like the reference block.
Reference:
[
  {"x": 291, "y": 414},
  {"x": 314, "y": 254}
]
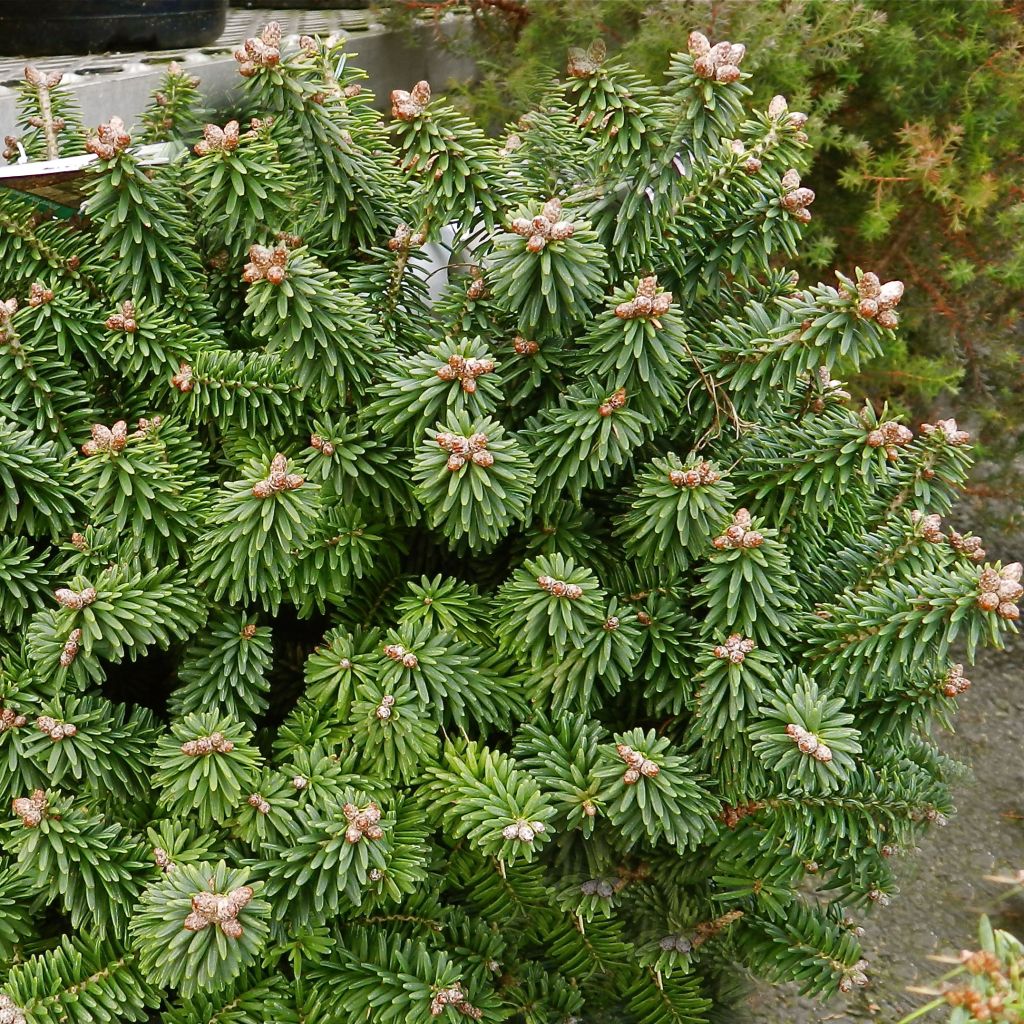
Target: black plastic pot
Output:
[{"x": 36, "y": 29}]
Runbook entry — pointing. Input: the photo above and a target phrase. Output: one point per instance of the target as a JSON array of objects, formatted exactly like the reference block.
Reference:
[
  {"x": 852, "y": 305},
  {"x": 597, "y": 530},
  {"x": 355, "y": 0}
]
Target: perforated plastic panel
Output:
[{"x": 240, "y": 25}]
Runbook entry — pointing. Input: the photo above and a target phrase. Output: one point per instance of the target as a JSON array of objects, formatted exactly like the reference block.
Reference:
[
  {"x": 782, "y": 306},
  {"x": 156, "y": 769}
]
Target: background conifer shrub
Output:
[{"x": 563, "y": 646}]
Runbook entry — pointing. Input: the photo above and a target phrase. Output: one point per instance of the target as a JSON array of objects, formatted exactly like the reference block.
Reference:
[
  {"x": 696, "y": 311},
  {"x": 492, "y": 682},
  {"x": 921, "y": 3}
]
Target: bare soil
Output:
[{"x": 942, "y": 888}]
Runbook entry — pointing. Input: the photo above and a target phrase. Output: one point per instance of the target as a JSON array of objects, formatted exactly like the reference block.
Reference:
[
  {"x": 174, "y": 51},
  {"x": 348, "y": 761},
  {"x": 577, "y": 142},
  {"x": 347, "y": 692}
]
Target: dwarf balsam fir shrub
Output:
[{"x": 555, "y": 649}]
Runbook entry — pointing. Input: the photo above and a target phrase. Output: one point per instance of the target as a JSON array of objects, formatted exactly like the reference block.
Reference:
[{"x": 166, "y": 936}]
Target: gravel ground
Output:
[{"x": 942, "y": 888}]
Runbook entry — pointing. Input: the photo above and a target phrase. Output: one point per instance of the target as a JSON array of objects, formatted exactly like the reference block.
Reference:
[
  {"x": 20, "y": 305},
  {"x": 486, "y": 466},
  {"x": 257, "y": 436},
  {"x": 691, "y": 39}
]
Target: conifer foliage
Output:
[{"x": 554, "y": 647}]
